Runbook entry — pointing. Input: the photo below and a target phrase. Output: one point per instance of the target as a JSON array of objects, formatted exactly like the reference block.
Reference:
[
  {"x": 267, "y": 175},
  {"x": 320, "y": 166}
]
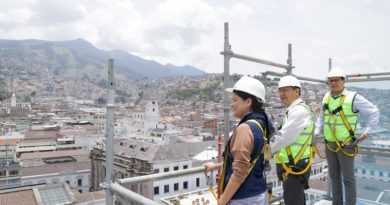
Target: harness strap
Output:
[
  {"x": 262, "y": 151},
  {"x": 341, "y": 145}
]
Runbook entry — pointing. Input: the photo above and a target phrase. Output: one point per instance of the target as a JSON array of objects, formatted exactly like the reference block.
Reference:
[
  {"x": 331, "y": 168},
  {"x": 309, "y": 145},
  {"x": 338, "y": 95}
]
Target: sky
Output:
[{"x": 354, "y": 33}]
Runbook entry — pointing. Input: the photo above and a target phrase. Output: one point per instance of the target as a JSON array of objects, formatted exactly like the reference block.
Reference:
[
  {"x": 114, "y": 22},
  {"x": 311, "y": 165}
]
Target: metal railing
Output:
[{"x": 128, "y": 195}]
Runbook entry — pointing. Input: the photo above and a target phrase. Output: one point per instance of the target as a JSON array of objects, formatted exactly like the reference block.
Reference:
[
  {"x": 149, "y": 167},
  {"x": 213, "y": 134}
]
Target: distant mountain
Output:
[
  {"x": 185, "y": 70},
  {"x": 79, "y": 58}
]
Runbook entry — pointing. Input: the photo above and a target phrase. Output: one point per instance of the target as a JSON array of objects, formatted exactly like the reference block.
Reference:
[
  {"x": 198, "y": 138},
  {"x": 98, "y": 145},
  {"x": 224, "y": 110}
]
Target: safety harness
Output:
[
  {"x": 351, "y": 137},
  {"x": 265, "y": 151},
  {"x": 293, "y": 161}
]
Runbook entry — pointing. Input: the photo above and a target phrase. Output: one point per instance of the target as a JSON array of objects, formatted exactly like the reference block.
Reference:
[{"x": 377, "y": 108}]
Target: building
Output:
[
  {"x": 146, "y": 118},
  {"x": 13, "y": 102},
  {"x": 59, "y": 193},
  {"x": 71, "y": 166},
  {"x": 368, "y": 167},
  {"x": 9, "y": 174},
  {"x": 135, "y": 158}
]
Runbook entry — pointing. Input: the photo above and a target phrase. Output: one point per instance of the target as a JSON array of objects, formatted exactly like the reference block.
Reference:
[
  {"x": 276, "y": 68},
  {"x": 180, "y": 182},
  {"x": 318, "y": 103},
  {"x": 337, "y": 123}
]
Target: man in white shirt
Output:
[
  {"x": 293, "y": 142},
  {"x": 338, "y": 118}
]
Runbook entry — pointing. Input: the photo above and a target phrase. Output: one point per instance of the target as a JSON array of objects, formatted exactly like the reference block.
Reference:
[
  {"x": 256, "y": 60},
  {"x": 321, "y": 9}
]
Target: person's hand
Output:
[
  {"x": 210, "y": 166},
  {"x": 363, "y": 137},
  {"x": 219, "y": 202}
]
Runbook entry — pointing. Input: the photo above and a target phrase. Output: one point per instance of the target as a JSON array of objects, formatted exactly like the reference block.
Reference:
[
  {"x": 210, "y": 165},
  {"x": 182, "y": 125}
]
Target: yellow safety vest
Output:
[
  {"x": 301, "y": 148},
  {"x": 333, "y": 119}
]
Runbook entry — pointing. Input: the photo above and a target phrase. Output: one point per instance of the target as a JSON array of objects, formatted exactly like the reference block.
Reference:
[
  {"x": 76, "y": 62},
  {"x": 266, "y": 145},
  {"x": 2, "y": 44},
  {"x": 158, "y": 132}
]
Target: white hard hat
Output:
[
  {"x": 251, "y": 86},
  {"x": 336, "y": 72},
  {"x": 288, "y": 81}
]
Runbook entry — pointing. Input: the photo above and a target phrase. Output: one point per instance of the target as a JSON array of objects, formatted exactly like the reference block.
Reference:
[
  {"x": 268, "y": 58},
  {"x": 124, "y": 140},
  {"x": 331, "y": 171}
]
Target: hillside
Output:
[{"x": 77, "y": 59}]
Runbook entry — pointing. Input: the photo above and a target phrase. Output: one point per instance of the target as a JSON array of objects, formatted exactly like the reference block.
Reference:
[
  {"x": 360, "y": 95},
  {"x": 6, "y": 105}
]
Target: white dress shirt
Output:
[
  {"x": 297, "y": 120},
  {"x": 360, "y": 104}
]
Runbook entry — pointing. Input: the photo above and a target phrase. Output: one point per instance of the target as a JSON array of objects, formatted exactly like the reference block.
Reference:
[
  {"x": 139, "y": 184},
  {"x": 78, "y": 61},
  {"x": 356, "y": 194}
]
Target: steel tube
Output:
[
  {"x": 355, "y": 80},
  {"x": 130, "y": 195},
  {"x": 110, "y": 130},
  {"x": 311, "y": 79},
  {"x": 165, "y": 175},
  {"x": 289, "y": 60},
  {"x": 226, "y": 82},
  {"x": 299, "y": 77},
  {"x": 368, "y": 74},
  {"x": 256, "y": 60}
]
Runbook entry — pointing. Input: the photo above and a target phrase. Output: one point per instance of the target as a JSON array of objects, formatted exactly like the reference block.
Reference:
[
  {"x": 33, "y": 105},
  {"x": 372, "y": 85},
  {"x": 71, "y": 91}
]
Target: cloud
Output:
[{"x": 353, "y": 33}]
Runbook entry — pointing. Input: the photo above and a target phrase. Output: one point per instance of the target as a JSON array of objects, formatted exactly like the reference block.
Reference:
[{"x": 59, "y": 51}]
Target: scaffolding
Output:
[{"x": 115, "y": 190}]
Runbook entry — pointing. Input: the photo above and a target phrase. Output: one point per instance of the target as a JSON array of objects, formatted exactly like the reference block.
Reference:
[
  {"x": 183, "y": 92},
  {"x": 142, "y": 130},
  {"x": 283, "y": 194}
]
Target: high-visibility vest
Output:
[
  {"x": 333, "y": 121},
  {"x": 293, "y": 153}
]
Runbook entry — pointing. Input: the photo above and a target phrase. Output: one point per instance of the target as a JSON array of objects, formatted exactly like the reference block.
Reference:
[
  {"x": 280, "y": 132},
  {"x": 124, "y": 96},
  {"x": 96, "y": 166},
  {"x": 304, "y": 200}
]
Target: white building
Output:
[
  {"x": 381, "y": 143},
  {"x": 13, "y": 102},
  {"x": 71, "y": 166},
  {"x": 377, "y": 169},
  {"x": 148, "y": 118},
  {"x": 97, "y": 116}
]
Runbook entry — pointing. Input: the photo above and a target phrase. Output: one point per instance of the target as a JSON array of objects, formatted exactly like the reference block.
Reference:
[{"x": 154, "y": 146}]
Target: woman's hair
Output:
[{"x": 257, "y": 105}]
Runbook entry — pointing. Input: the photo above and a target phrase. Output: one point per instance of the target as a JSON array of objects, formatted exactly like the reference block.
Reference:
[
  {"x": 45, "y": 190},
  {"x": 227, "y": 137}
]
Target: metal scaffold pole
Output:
[
  {"x": 110, "y": 132},
  {"x": 289, "y": 60},
  {"x": 226, "y": 80}
]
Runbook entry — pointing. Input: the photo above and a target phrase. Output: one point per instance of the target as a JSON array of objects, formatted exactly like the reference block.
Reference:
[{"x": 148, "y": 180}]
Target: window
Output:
[
  {"x": 12, "y": 181},
  {"x": 381, "y": 174},
  {"x": 156, "y": 171},
  {"x": 13, "y": 172},
  {"x": 176, "y": 186},
  {"x": 175, "y": 168},
  {"x": 156, "y": 190},
  {"x": 166, "y": 169},
  {"x": 372, "y": 172},
  {"x": 3, "y": 173},
  {"x": 185, "y": 166},
  {"x": 197, "y": 182},
  {"x": 185, "y": 185},
  {"x": 81, "y": 191},
  {"x": 79, "y": 182},
  {"x": 363, "y": 171},
  {"x": 166, "y": 188}
]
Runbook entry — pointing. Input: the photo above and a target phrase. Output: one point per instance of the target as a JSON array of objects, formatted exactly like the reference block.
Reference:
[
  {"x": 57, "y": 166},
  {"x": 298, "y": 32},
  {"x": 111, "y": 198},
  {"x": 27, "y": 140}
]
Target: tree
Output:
[{"x": 27, "y": 99}]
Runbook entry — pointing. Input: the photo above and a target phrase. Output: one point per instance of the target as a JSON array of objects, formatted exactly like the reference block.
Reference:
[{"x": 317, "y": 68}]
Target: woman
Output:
[{"x": 239, "y": 183}]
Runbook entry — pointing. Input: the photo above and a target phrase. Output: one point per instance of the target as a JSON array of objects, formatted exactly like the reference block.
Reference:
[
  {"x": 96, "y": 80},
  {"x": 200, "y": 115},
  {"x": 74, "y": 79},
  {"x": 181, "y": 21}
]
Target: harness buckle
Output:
[{"x": 285, "y": 176}]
